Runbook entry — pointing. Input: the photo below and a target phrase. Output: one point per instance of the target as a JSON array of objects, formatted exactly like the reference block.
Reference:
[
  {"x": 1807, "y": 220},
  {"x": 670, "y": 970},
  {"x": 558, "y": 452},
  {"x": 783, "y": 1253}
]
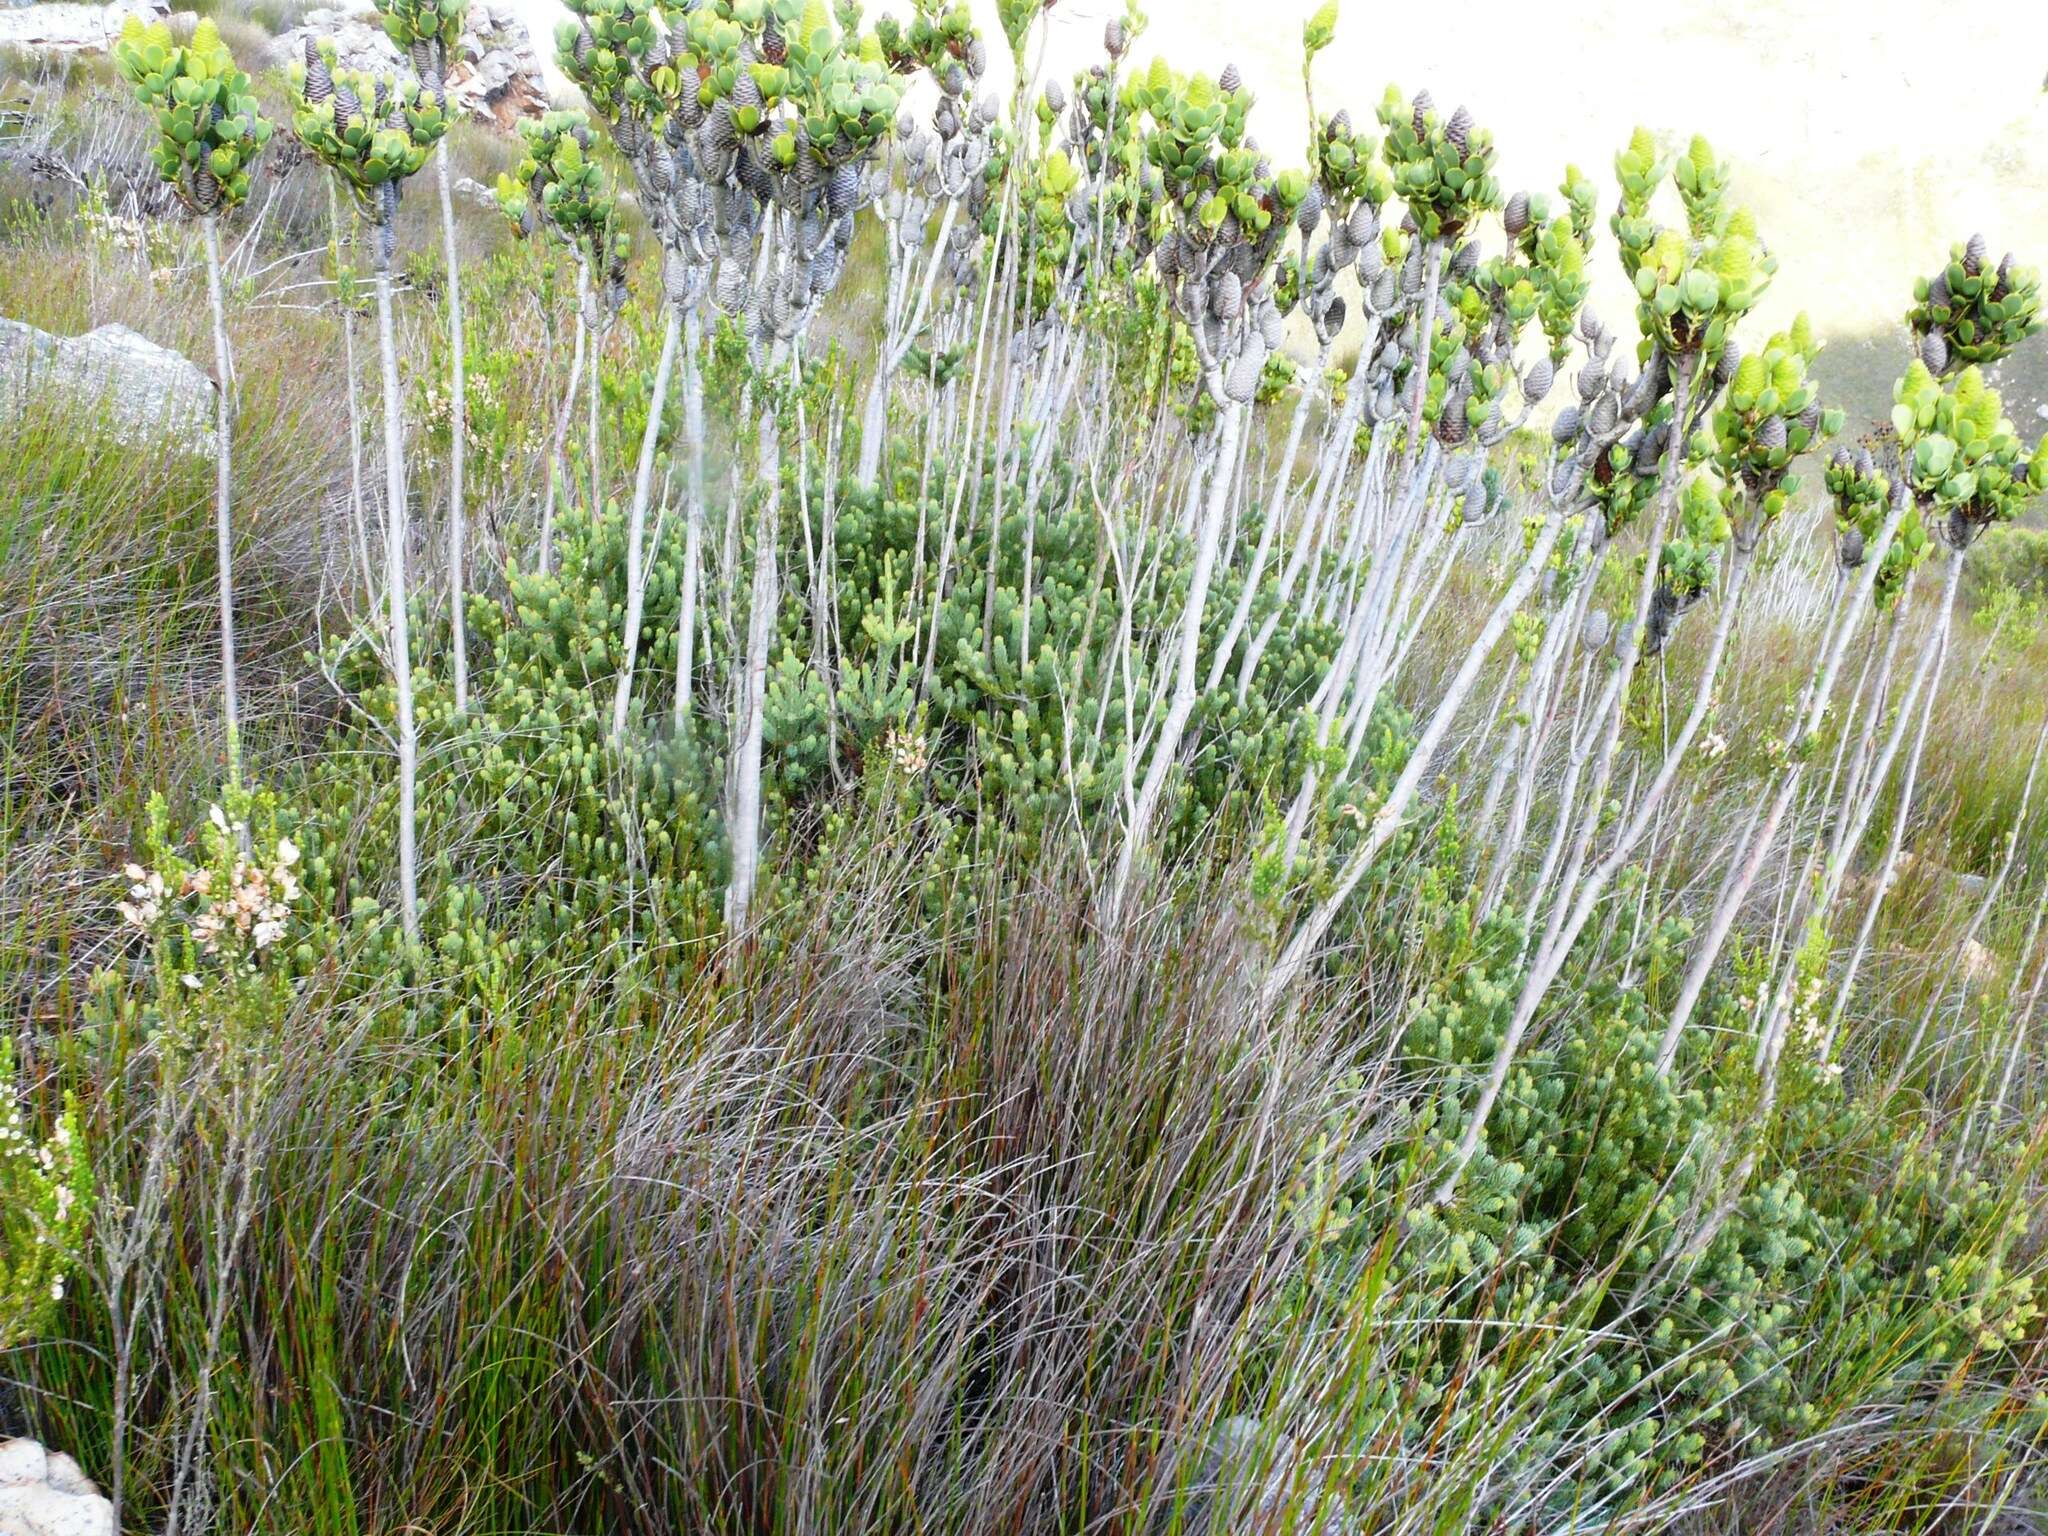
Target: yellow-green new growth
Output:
[
  {"x": 559, "y": 184},
  {"x": 1441, "y": 168},
  {"x": 1963, "y": 459},
  {"x": 426, "y": 31},
  {"x": 209, "y": 131},
  {"x": 1970, "y": 312},
  {"x": 371, "y": 131},
  {"x": 1769, "y": 417},
  {"x": 1693, "y": 284}
]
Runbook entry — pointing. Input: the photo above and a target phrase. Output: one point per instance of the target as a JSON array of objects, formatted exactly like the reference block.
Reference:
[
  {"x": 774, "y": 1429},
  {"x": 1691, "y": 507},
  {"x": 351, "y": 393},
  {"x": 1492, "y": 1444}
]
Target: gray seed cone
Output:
[
  {"x": 1459, "y": 131},
  {"x": 319, "y": 79}
]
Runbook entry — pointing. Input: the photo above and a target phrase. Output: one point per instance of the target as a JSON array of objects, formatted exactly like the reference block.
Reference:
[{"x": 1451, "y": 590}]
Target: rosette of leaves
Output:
[
  {"x": 780, "y": 74},
  {"x": 1860, "y": 493},
  {"x": 607, "y": 53},
  {"x": 1016, "y": 17},
  {"x": 559, "y": 184},
  {"x": 938, "y": 369},
  {"x": 1054, "y": 181},
  {"x": 1969, "y": 314},
  {"x": 1769, "y": 416},
  {"x": 1580, "y": 196},
  {"x": 1099, "y": 131},
  {"x": 1346, "y": 166},
  {"x": 209, "y": 131},
  {"x": 1492, "y": 300},
  {"x": 1225, "y": 214},
  {"x": 1198, "y": 143},
  {"x": 1619, "y": 429},
  {"x": 1960, "y": 454},
  {"x": 1538, "y": 274},
  {"x": 1639, "y": 169},
  {"x": 427, "y": 32},
  {"x": 1102, "y": 142},
  {"x": 1702, "y": 182},
  {"x": 371, "y": 131},
  {"x": 1441, "y": 168},
  {"x": 794, "y": 109},
  {"x": 957, "y": 155},
  {"x": 1694, "y": 285},
  {"x": 1348, "y": 188},
  {"x": 1556, "y": 248},
  {"x": 1686, "y": 564},
  {"x": 938, "y": 35},
  {"x": 1468, "y": 370}
]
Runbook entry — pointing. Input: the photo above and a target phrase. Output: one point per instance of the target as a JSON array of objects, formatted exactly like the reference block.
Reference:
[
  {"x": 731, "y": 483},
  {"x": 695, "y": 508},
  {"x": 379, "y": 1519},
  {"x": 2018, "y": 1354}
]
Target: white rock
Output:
[
  {"x": 72, "y": 28},
  {"x": 497, "y": 78},
  {"x": 66, "y": 1476},
  {"x": 149, "y": 393},
  {"x": 22, "y": 1461},
  {"x": 46, "y": 1495},
  {"x": 43, "y": 1511}
]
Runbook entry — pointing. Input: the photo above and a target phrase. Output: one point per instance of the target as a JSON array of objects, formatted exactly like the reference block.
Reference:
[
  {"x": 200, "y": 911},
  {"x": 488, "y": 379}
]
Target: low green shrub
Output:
[
  {"x": 2007, "y": 559},
  {"x": 46, "y": 1197},
  {"x": 1573, "y": 1224}
]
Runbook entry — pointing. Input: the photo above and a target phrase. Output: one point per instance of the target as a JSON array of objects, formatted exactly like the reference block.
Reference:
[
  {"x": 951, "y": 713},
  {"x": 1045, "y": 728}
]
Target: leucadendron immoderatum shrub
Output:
[
  {"x": 373, "y": 133},
  {"x": 208, "y": 136}
]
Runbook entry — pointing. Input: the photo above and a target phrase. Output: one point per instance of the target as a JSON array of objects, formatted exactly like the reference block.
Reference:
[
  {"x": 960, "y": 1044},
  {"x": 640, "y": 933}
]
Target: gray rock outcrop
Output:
[
  {"x": 148, "y": 393},
  {"x": 71, "y": 28},
  {"x": 497, "y": 78}
]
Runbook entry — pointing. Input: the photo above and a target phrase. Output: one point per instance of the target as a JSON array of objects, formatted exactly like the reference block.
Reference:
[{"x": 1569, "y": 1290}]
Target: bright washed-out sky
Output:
[{"x": 1866, "y": 134}]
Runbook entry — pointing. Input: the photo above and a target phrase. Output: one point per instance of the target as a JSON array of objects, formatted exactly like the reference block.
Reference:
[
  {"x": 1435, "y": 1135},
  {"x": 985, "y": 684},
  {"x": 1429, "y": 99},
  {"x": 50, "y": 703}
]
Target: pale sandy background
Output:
[{"x": 1866, "y": 136}]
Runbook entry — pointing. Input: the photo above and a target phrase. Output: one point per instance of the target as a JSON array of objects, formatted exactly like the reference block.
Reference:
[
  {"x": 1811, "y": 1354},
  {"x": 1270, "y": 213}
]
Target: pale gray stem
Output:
[
  {"x": 636, "y": 520},
  {"x": 1617, "y": 693},
  {"x": 395, "y": 605},
  {"x": 875, "y": 415},
  {"x": 458, "y": 433},
  {"x": 1165, "y": 749},
  {"x": 693, "y": 523},
  {"x": 1895, "y": 843},
  {"x": 223, "y": 485},
  {"x": 1549, "y": 962},
  {"x": 1301, "y": 947},
  {"x": 1812, "y": 710},
  {"x": 568, "y": 412},
  {"x": 744, "y": 822}
]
